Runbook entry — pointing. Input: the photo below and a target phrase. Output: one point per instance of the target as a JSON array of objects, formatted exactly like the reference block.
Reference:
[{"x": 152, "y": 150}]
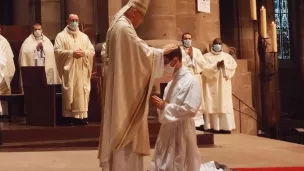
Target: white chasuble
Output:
[{"x": 75, "y": 73}]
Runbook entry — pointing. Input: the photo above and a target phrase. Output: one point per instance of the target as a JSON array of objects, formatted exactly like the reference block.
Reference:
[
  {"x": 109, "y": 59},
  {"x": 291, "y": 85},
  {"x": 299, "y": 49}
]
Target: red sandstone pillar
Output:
[
  {"x": 160, "y": 21},
  {"x": 83, "y": 8}
]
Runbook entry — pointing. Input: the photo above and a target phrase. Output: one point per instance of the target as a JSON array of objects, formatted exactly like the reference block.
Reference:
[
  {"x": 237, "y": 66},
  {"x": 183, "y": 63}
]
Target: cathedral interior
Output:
[{"x": 268, "y": 87}]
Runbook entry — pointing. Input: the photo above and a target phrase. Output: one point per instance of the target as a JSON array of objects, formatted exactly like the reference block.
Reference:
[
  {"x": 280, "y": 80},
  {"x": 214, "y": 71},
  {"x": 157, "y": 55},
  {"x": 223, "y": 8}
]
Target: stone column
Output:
[
  {"x": 83, "y": 8},
  {"x": 114, "y": 7},
  {"x": 51, "y": 17},
  {"x": 160, "y": 21},
  {"x": 185, "y": 18},
  {"x": 23, "y": 15},
  {"x": 207, "y": 26}
]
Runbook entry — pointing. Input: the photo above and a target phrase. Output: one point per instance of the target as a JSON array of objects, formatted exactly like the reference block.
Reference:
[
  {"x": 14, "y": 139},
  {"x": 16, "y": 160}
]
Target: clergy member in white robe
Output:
[
  {"x": 190, "y": 56},
  {"x": 132, "y": 67},
  {"x": 74, "y": 57},
  {"x": 7, "y": 71},
  {"x": 176, "y": 146},
  {"x": 38, "y": 50},
  {"x": 218, "y": 69}
]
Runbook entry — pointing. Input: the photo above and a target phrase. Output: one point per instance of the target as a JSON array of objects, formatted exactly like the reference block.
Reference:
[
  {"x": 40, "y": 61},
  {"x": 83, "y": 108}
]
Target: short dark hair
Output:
[
  {"x": 36, "y": 24},
  {"x": 175, "y": 53},
  {"x": 217, "y": 41},
  {"x": 185, "y": 34}
]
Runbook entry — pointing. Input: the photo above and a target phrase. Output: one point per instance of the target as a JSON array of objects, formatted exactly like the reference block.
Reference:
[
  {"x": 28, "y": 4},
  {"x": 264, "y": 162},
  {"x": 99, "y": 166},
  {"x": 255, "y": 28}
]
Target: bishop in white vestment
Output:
[
  {"x": 218, "y": 69},
  {"x": 129, "y": 77},
  {"x": 190, "y": 57}
]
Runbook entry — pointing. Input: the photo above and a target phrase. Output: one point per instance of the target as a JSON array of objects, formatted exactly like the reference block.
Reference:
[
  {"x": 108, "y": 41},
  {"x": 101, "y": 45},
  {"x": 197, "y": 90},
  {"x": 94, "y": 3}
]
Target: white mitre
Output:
[{"x": 141, "y": 5}]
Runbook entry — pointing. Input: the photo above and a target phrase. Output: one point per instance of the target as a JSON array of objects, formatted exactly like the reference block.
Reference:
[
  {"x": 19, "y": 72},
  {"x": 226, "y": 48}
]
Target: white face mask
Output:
[
  {"x": 187, "y": 43},
  {"x": 73, "y": 25},
  {"x": 217, "y": 48},
  {"x": 37, "y": 33},
  {"x": 169, "y": 69}
]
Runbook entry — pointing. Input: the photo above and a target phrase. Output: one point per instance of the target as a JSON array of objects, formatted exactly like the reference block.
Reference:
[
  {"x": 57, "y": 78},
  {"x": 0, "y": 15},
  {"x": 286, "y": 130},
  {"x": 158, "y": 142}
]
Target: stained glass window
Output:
[{"x": 282, "y": 21}]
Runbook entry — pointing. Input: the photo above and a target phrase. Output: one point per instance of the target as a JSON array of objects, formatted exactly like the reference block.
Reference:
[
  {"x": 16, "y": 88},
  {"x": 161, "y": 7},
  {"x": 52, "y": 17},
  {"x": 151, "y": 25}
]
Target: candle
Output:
[
  {"x": 253, "y": 9},
  {"x": 263, "y": 23},
  {"x": 274, "y": 37}
]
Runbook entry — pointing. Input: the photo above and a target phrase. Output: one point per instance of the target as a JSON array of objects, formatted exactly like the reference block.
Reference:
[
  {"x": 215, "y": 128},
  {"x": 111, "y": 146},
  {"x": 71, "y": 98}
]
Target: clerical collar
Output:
[
  {"x": 72, "y": 32},
  {"x": 215, "y": 53},
  {"x": 38, "y": 38}
]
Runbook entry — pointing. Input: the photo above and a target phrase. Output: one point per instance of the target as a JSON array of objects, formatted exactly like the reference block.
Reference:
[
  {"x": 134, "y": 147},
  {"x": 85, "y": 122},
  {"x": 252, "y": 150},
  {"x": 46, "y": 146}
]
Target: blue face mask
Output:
[
  {"x": 73, "y": 25},
  {"x": 217, "y": 48},
  {"x": 187, "y": 43}
]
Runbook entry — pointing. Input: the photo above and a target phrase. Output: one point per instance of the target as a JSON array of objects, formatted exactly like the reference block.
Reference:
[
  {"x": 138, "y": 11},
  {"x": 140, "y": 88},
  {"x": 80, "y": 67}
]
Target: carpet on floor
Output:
[{"x": 273, "y": 169}]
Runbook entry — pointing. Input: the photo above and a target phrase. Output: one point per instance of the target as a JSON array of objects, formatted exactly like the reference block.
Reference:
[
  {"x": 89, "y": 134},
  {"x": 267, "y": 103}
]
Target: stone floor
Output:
[{"x": 237, "y": 151}]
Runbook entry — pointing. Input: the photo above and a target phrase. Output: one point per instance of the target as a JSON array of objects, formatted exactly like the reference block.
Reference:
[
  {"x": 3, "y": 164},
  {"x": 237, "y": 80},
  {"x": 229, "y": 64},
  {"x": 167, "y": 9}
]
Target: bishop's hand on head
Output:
[{"x": 169, "y": 48}]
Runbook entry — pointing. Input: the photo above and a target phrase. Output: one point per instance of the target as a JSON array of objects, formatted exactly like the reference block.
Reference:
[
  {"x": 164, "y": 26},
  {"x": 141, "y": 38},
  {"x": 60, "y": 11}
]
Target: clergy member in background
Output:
[
  {"x": 218, "y": 69},
  {"x": 7, "y": 70},
  {"x": 74, "y": 57},
  {"x": 190, "y": 56},
  {"x": 132, "y": 67},
  {"x": 38, "y": 50},
  {"x": 176, "y": 146}
]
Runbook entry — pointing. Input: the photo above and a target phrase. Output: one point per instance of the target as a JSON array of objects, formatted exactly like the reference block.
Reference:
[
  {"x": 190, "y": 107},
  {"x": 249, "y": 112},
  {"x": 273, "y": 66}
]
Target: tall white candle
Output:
[
  {"x": 274, "y": 37},
  {"x": 253, "y": 9},
  {"x": 263, "y": 23}
]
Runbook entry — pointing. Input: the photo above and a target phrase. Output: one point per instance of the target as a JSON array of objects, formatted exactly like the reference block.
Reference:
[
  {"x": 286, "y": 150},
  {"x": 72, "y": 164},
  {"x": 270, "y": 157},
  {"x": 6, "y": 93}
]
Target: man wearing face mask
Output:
[
  {"x": 131, "y": 68},
  {"x": 38, "y": 50},
  {"x": 7, "y": 71},
  {"x": 74, "y": 57},
  {"x": 177, "y": 135},
  {"x": 181, "y": 102},
  {"x": 218, "y": 69},
  {"x": 190, "y": 57}
]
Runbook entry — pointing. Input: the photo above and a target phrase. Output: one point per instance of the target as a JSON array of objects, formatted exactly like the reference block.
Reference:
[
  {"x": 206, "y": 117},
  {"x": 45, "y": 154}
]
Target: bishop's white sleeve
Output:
[
  {"x": 230, "y": 67},
  {"x": 150, "y": 52},
  {"x": 158, "y": 63},
  {"x": 191, "y": 97},
  {"x": 209, "y": 69}
]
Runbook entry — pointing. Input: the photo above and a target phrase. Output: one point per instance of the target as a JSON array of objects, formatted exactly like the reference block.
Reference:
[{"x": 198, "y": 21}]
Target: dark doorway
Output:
[{"x": 229, "y": 23}]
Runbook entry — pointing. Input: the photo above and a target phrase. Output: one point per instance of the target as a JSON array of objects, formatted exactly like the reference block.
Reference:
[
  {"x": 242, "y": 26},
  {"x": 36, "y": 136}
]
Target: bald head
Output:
[
  {"x": 73, "y": 17},
  {"x": 73, "y": 22}
]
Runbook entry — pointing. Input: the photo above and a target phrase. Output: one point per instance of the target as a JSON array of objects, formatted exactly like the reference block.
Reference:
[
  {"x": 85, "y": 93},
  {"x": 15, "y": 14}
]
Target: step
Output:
[
  {"x": 23, "y": 136},
  {"x": 202, "y": 140}
]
